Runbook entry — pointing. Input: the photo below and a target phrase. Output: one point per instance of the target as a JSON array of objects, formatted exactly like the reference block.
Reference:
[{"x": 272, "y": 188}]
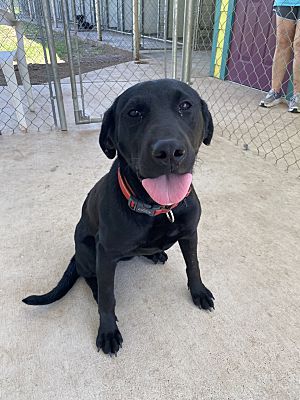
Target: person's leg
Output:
[
  {"x": 285, "y": 31},
  {"x": 294, "y": 104},
  {"x": 296, "y": 63}
]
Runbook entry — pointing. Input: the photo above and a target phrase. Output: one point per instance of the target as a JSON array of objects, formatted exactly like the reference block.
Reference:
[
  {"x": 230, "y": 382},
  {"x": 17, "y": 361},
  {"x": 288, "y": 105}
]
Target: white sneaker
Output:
[
  {"x": 294, "y": 103},
  {"x": 272, "y": 99}
]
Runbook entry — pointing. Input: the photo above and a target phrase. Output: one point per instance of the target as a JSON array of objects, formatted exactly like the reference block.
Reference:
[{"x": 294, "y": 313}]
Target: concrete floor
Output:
[{"x": 247, "y": 349}]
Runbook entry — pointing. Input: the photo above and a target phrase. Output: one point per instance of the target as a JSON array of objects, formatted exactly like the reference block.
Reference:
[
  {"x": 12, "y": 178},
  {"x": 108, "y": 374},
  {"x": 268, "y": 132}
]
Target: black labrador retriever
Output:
[{"x": 146, "y": 202}]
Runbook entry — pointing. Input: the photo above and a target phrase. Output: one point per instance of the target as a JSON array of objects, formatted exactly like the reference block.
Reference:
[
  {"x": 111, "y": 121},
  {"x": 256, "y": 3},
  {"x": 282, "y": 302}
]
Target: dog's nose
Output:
[{"x": 168, "y": 151}]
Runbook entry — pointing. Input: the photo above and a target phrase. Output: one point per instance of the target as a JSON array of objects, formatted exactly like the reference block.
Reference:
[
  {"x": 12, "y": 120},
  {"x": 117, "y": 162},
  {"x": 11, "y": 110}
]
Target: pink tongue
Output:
[{"x": 168, "y": 189}]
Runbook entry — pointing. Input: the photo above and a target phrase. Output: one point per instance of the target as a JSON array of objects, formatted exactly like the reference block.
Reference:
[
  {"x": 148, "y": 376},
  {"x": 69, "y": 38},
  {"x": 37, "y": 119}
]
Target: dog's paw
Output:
[
  {"x": 203, "y": 298},
  {"x": 160, "y": 257},
  {"x": 109, "y": 342}
]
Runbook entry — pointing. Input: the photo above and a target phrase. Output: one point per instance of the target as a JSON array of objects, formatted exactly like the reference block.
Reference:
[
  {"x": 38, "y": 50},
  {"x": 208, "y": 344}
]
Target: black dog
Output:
[
  {"x": 146, "y": 202},
  {"x": 82, "y": 22}
]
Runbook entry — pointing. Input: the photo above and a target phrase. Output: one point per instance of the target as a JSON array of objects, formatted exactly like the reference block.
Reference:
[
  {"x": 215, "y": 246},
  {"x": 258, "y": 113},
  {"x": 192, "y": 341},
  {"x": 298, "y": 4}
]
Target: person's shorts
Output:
[{"x": 288, "y": 12}]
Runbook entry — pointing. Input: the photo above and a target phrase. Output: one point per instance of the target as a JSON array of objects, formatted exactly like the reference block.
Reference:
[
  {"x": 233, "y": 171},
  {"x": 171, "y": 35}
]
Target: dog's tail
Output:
[{"x": 64, "y": 285}]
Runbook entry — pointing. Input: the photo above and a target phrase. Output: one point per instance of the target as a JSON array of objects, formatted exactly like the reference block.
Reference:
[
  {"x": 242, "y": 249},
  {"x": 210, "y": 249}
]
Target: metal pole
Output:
[
  {"x": 73, "y": 10},
  {"x": 75, "y": 38},
  {"x": 187, "y": 41},
  {"x": 52, "y": 52},
  {"x": 174, "y": 39},
  {"x": 37, "y": 6},
  {"x": 136, "y": 30},
  {"x": 65, "y": 14},
  {"x": 77, "y": 52},
  {"x": 80, "y": 117},
  {"x": 54, "y": 13},
  {"x": 165, "y": 35},
  {"x": 104, "y": 14},
  {"x": 142, "y": 22},
  {"x": 30, "y": 10},
  {"x": 91, "y": 12},
  {"x": 197, "y": 25},
  {"x": 118, "y": 15},
  {"x": 83, "y": 8},
  {"x": 158, "y": 19},
  {"x": 98, "y": 19}
]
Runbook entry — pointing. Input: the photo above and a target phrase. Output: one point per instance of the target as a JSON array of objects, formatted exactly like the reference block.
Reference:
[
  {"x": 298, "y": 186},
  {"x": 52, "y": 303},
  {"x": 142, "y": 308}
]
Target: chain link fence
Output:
[
  {"x": 26, "y": 95},
  {"x": 233, "y": 72},
  {"x": 224, "y": 48}
]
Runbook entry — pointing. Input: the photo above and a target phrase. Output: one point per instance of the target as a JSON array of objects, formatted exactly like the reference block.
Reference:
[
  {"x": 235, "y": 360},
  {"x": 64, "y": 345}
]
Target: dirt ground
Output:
[{"x": 91, "y": 59}]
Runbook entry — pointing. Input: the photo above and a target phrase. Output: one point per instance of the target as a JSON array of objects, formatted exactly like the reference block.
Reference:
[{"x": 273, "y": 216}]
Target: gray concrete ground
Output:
[{"x": 249, "y": 246}]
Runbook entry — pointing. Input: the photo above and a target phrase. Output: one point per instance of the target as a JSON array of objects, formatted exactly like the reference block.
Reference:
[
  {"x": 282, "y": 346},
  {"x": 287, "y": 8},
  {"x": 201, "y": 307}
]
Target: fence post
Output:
[
  {"x": 66, "y": 19},
  {"x": 30, "y": 9},
  {"x": 53, "y": 6},
  {"x": 174, "y": 39},
  {"x": 52, "y": 52},
  {"x": 187, "y": 41},
  {"x": 98, "y": 19},
  {"x": 166, "y": 11},
  {"x": 136, "y": 30}
]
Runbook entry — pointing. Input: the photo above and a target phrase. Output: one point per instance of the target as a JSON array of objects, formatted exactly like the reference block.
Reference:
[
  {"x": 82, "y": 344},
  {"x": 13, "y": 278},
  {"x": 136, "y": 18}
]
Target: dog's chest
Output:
[{"x": 159, "y": 237}]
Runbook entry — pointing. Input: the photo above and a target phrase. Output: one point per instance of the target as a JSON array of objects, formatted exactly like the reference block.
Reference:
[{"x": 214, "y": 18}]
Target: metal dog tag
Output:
[{"x": 170, "y": 216}]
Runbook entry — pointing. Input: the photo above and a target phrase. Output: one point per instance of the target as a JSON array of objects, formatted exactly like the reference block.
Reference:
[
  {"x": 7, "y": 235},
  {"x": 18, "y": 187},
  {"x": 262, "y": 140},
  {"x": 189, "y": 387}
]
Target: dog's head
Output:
[{"x": 157, "y": 127}]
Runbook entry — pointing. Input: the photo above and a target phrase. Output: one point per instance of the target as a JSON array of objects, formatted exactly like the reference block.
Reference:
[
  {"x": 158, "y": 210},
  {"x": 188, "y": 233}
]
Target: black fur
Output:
[
  {"x": 144, "y": 116},
  {"x": 82, "y": 23},
  {"x": 64, "y": 285}
]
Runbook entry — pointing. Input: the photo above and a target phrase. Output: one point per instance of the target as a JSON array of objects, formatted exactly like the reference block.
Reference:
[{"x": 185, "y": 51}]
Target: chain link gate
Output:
[
  {"x": 137, "y": 37},
  {"x": 131, "y": 38}
]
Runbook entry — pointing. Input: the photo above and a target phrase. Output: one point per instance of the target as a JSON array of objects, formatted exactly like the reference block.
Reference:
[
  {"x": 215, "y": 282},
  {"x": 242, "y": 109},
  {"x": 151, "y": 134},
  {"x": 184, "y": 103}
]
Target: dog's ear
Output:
[
  {"x": 208, "y": 124},
  {"x": 107, "y": 133}
]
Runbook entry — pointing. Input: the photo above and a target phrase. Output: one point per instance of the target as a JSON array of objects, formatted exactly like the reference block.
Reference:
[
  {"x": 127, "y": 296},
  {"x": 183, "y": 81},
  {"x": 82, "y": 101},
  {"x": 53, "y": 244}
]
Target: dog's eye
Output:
[
  {"x": 185, "y": 105},
  {"x": 134, "y": 113}
]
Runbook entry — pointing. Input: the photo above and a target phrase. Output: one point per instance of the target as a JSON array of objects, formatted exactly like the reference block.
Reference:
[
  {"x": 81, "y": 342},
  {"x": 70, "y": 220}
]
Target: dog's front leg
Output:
[
  {"x": 109, "y": 338},
  {"x": 202, "y": 297}
]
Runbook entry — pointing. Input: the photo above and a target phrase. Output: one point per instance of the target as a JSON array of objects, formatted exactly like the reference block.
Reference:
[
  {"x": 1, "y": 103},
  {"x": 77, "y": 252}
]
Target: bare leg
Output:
[
  {"x": 285, "y": 31},
  {"x": 296, "y": 63}
]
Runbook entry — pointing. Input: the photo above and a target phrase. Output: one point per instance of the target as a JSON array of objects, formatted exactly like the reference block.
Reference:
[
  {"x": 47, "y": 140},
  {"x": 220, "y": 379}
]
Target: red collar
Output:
[{"x": 140, "y": 207}]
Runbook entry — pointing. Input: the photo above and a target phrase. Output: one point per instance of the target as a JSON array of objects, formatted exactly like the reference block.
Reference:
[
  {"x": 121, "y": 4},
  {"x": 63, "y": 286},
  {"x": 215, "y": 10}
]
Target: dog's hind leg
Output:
[
  {"x": 160, "y": 257},
  {"x": 92, "y": 282}
]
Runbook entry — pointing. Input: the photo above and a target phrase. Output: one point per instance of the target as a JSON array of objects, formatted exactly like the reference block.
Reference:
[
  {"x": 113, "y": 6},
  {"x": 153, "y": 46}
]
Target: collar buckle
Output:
[{"x": 142, "y": 208}]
